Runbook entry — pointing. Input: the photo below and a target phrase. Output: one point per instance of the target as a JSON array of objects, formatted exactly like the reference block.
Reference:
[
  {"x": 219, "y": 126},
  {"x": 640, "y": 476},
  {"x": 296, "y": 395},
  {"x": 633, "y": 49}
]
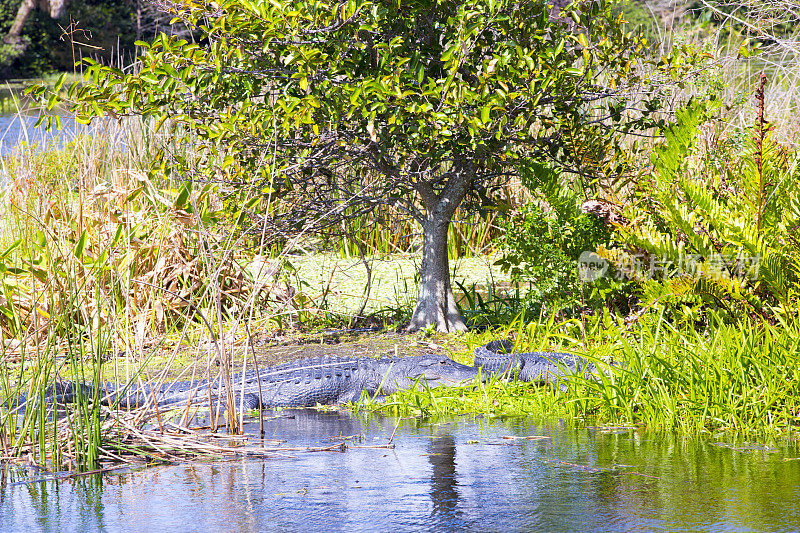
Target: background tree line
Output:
[{"x": 43, "y": 36}]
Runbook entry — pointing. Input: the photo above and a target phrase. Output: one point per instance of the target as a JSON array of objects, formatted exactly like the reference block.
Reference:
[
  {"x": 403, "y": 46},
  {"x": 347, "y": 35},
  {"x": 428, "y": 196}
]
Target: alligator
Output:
[{"x": 337, "y": 380}]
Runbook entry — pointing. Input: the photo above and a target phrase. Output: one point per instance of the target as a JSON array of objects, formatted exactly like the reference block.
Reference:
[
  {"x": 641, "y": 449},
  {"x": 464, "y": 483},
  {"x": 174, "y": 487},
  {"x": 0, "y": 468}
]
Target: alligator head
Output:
[{"x": 435, "y": 370}]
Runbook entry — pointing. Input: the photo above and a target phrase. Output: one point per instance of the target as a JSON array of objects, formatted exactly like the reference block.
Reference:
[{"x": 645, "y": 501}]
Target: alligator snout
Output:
[{"x": 439, "y": 370}]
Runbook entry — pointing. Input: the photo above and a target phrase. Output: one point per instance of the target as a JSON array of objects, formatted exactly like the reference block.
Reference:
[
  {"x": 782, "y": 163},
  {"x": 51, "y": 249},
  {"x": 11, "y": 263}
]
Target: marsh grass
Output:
[
  {"x": 107, "y": 267},
  {"x": 495, "y": 399},
  {"x": 335, "y": 287},
  {"x": 390, "y": 233},
  {"x": 100, "y": 256},
  {"x": 739, "y": 378}
]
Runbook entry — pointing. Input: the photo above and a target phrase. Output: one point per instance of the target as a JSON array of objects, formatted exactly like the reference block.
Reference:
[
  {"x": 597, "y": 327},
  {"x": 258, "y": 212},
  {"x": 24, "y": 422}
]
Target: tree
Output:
[
  {"x": 65, "y": 29},
  {"x": 54, "y": 7},
  {"x": 350, "y": 106}
]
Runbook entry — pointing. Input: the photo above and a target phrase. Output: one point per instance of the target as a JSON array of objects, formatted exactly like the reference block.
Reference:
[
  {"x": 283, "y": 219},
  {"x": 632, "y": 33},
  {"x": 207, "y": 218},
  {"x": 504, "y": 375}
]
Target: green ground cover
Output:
[
  {"x": 738, "y": 378},
  {"x": 341, "y": 281}
]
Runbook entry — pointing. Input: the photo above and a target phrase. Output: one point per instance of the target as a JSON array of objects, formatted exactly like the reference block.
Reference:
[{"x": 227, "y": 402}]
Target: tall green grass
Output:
[
  {"x": 742, "y": 377},
  {"x": 469, "y": 235},
  {"x": 39, "y": 431},
  {"x": 735, "y": 378},
  {"x": 101, "y": 255}
]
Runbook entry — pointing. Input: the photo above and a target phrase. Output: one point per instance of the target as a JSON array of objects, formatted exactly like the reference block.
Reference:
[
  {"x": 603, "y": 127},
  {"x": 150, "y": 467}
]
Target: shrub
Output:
[{"x": 544, "y": 239}]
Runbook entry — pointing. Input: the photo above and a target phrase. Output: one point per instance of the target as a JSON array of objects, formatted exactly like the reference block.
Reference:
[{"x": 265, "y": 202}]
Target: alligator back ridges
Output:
[
  {"x": 334, "y": 380},
  {"x": 309, "y": 369},
  {"x": 306, "y": 382},
  {"x": 553, "y": 368}
]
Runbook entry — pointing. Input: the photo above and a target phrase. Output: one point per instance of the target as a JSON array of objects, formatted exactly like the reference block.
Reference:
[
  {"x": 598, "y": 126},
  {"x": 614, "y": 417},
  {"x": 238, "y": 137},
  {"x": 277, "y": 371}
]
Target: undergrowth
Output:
[{"x": 739, "y": 378}]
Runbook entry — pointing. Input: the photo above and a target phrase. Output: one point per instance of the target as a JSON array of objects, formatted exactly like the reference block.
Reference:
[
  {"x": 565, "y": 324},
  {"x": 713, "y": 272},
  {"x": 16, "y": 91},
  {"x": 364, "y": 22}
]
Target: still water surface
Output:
[
  {"x": 457, "y": 476},
  {"x": 18, "y": 128}
]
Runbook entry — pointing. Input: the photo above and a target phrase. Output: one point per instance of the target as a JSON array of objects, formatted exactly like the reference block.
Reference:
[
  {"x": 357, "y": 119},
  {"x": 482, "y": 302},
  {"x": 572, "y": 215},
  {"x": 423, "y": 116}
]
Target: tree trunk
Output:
[
  {"x": 14, "y": 35},
  {"x": 138, "y": 20},
  {"x": 435, "y": 303},
  {"x": 54, "y": 7}
]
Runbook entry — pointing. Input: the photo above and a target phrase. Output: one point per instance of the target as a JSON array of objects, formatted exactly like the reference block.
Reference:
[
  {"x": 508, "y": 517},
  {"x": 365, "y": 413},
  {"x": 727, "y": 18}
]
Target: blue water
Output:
[
  {"x": 457, "y": 476},
  {"x": 18, "y": 129}
]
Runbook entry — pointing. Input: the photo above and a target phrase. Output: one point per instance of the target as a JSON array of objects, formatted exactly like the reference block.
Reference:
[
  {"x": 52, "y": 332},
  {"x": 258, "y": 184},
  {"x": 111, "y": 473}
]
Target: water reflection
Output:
[
  {"x": 459, "y": 476},
  {"x": 444, "y": 481}
]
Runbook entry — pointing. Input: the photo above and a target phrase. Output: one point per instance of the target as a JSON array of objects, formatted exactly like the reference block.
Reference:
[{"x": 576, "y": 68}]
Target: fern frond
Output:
[
  {"x": 670, "y": 156},
  {"x": 733, "y": 230},
  {"x": 772, "y": 272}
]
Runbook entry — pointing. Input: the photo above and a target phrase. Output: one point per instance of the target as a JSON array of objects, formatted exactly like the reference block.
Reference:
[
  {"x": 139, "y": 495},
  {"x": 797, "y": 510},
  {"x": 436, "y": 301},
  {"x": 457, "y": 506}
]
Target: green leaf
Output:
[
  {"x": 355, "y": 95},
  {"x": 183, "y": 196},
  {"x": 134, "y": 193},
  {"x": 448, "y": 53},
  {"x": 80, "y": 245},
  {"x": 117, "y": 235},
  {"x": 13, "y": 246},
  {"x": 60, "y": 82}
]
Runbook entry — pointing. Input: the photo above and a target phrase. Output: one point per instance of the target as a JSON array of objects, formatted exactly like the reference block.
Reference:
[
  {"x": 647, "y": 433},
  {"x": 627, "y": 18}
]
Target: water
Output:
[
  {"x": 457, "y": 476},
  {"x": 18, "y": 128}
]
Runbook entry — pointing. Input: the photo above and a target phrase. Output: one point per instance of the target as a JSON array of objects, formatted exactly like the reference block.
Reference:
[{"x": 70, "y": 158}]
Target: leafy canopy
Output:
[{"x": 303, "y": 96}]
